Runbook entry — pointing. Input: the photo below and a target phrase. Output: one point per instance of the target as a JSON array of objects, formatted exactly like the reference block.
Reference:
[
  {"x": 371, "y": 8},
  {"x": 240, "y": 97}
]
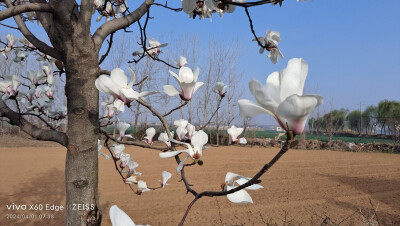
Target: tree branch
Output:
[
  {"x": 35, "y": 132},
  {"x": 116, "y": 24},
  {"x": 15, "y": 10}
]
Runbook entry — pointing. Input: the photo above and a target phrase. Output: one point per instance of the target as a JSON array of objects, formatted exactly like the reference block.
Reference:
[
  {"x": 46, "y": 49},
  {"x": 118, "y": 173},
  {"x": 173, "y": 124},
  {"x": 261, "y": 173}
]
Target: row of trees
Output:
[{"x": 383, "y": 118}]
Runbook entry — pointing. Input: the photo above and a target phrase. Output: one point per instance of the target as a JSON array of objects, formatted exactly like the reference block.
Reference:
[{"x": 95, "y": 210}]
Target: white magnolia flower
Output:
[
  {"x": 220, "y": 88},
  {"x": 153, "y": 50},
  {"x": 142, "y": 186},
  {"x": 222, "y": 7},
  {"x": 108, "y": 12},
  {"x": 118, "y": 87},
  {"x": 242, "y": 140},
  {"x": 199, "y": 139},
  {"x": 49, "y": 92},
  {"x": 187, "y": 81},
  {"x": 234, "y": 132},
  {"x": 181, "y": 133},
  {"x": 26, "y": 43},
  {"x": 122, "y": 127},
  {"x": 182, "y": 62},
  {"x": 282, "y": 97},
  {"x": 120, "y": 218},
  {"x": 271, "y": 43},
  {"x": 233, "y": 180},
  {"x": 9, "y": 86},
  {"x": 11, "y": 40},
  {"x": 191, "y": 129},
  {"x": 130, "y": 180},
  {"x": 20, "y": 56},
  {"x": 117, "y": 150},
  {"x": 165, "y": 177},
  {"x": 132, "y": 167},
  {"x": 124, "y": 158},
  {"x": 202, "y": 8},
  {"x": 48, "y": 73},
  {"x": 150, "y": 132},
  {"x": 164, "y": 138},
  {"x": 35, "y": 78}
]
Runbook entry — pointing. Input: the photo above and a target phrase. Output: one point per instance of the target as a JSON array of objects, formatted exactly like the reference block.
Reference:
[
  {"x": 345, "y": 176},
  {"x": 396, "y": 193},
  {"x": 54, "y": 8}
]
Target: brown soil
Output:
[{"x": 305, "y": 186}]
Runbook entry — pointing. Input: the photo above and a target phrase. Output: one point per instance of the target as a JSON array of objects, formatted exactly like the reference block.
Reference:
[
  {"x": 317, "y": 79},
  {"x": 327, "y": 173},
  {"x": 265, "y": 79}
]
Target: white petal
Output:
[
  {"x": 171, "y": 154},
  {"x": 250, "y": 109},
  {"x": 296, "y": 109},
  {"x": 241, "y": 181},
  {"x": 196, "y": 74},
  {"x": 119, "y": 217},
  {"x": 170, "y": 90},
  {"x": 133, "y": 77},
  {"x": 180, "y": 165},
  {"x": 239, "y": 197},
  {"x": 118, "y": 76},
  {"x": 292, "y": 78},
  {"x": 186, "y": 75}
]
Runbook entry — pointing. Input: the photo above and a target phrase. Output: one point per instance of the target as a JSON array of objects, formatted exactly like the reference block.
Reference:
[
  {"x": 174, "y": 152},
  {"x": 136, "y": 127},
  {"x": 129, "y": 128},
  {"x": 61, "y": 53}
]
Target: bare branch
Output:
[
  {"x": 110, "y": 42},
  {"x": 15, "y": 10},
  {"x": 116, "y": 24},
  {"x": 24, "y": 125},
  {"x": 177, "y": 108},
  {"x": 212, "y": 116}
]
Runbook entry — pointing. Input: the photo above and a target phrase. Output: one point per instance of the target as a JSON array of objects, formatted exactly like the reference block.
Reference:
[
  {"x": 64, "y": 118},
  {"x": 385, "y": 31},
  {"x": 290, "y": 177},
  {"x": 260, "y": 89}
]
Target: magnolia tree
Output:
[{"x": 74, "y": 50}]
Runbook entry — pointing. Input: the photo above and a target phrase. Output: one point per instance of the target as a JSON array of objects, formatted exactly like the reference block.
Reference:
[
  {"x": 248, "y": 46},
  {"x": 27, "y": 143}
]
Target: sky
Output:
[{"x": 352, "y": 47}]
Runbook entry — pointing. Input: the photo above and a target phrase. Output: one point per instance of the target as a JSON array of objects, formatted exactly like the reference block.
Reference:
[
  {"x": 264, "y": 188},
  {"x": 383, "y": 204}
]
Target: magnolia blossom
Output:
[
  {"x": 242, "y": 140},
  {"x": 199, "y": 139},
  {"x": 153, "y": 50},
  {"x": 132, "y": 167},
  {"x": 48, "y": 91},
  {"x": 130, "y": 180},
  {"x": 202, "y": 8},
  {"x": 282, "y": 97},
  {"x": 165, "y": 177},
  {"x": 187, "y": 81},
  {"x": 181, "y": 123},
  {"x": 271, "y": 44},
  {"x": 117, "y": 150},
  {"x": 220, "y": 88},
  {"x": 222, "y": 7},
  {"x": 150, "y": 132},
  {"x": 233, "y": 180},
  {"x": 48, "y": 73},
  {"x": 182, "y": 62},
  {"x": 181, "y": 130},
  {"x": 142, "y": 186},
  {"x": 234, "y": 132},
  {"x": 122, "y": 127},
  {"x": 191, "y": 129},
  {"x": 11, "y": 40},
  {"x": 120, "y": 218},
  {"x": 26, "y": 43},
  {"x": 164, "y": 138},
  {"x": 108, "y": 12},
  {"x": 20, "y": 56},
  {"x": 124, "y": 158},
  {"x": 118, "y": 87},
  {"x": 9, "y": 86},
  {"x": 35, "y": 78}
]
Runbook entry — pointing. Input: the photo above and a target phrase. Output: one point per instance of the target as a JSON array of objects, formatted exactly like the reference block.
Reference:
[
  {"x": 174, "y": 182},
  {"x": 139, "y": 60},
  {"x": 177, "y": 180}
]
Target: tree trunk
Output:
[{"x": 81, "y": 168}]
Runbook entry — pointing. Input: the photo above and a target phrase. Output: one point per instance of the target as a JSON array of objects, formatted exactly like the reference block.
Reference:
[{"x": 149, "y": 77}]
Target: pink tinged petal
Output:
[
  {"x": 198, "y": 140},
  {"x": 130, "y": 180},
  {"x": 188, "y": 90},
  {"x": 171, "y": 153},
  {"x": 293, "y": 77},
  {"x": 170, "y": 90},
  {"x": 165, "y": 177},
  {"x": 119, "y": 217},
  {"x": 239, "y": 197},
  {"x": 296, "y": 109},
  {"x": 180, "y": 133},
  {"x": 249, "y": 109}
]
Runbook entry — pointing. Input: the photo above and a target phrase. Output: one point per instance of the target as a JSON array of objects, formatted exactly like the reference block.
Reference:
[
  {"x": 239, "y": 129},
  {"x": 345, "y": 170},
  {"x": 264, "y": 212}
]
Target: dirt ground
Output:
[{"x": 304, "y": 187}]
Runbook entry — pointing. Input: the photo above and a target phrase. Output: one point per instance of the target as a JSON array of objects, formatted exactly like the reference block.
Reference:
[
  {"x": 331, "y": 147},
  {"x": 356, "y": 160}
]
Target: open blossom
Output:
[
  {"x": 9, "y": 86},
  {"x": 234, "y": 132},
  {"x": 181, "y": 130},
  {"x": 117, "y": 150},
  {"x": 199, "y": 139},
  {"x": 118, "y": 87},
  {"x": 153, "y": 50},
  {"x": 282, "y": 97},
  {"x": 182, "y": 62},
  {"x": 191, "y": 129},
  {"x": 130, "y": 180},
  {"x": 142, "y": 186},
  {"x": 120, "y": 218},
  {"x": 233, "y": 180},
  {"x": 164, "y": 138},
  {"x": 122, "y": 127},
  {"x": 201, "y": 8},
  {"x": 220, "y": 88},
  {"x": 132, "y": 167},
  {"x": 165, "y": 177},
  {"x": 187, "y": 81},
  {"x": 150, "y": 132},
  {"x": 271, "y": 44},
  {"x": 48, "y": 73},
  {"x": 242, "y": 140},
  {"x": 11, "y": 40},
  {"x": 124, "y": 158},
  {"x": 35, "y": 78}
]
